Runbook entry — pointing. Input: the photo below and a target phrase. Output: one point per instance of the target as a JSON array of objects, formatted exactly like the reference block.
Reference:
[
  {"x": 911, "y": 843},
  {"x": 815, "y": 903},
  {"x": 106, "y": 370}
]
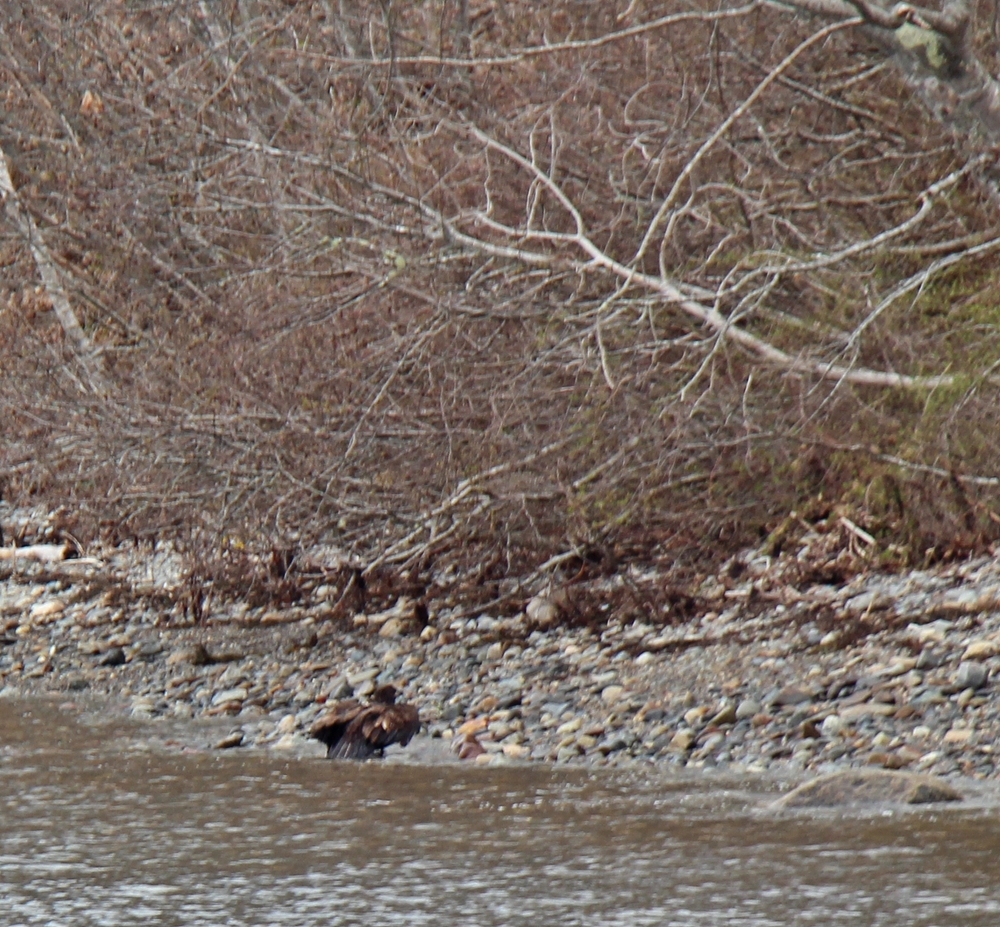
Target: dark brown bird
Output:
[{"x": 352, "y": 731}]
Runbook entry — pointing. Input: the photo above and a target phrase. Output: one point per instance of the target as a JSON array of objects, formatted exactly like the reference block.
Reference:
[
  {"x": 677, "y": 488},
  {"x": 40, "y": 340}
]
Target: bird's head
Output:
[{"x": 385, "y": 695}]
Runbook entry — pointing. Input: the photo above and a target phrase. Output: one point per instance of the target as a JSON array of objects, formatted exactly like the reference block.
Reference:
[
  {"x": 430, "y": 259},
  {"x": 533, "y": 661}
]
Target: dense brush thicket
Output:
[{"x": 449, "y": 282}]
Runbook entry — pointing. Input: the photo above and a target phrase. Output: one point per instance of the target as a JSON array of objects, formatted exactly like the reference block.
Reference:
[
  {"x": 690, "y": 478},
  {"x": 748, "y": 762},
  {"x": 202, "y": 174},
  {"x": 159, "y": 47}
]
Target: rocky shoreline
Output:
[{"x": 896, "y": 671}]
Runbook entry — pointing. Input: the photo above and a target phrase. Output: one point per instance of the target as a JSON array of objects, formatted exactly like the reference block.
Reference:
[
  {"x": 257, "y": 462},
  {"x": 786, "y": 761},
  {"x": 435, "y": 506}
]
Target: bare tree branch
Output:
[{"x": 51, "y": 277}]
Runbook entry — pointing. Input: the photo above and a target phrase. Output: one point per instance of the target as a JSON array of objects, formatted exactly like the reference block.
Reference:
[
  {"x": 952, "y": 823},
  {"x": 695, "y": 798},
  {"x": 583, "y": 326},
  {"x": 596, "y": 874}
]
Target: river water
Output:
[{"x": 99, "y": 825}]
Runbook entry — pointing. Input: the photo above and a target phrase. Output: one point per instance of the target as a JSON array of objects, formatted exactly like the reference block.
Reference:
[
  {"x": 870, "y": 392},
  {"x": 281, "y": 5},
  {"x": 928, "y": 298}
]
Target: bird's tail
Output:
[{"x": 351, "y": 748}]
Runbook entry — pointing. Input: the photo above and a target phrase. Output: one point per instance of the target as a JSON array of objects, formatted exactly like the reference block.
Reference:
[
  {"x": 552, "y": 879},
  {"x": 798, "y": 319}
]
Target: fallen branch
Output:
[{"x": 39, "y": 553}]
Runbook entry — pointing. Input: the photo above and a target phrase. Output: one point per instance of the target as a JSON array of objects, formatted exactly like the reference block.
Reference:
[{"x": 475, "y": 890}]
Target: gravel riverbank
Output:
[{"x": 890, "y": 670}]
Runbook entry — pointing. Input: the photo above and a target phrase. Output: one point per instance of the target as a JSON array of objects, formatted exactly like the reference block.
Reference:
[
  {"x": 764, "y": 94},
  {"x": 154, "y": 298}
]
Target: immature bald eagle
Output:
[{"x": 352, "y": 731}]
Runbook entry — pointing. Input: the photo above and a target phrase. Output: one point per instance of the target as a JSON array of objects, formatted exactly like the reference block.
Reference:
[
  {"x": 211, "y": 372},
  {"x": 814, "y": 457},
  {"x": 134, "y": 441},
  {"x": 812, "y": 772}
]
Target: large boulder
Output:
[{"x": 868, "y": 786}]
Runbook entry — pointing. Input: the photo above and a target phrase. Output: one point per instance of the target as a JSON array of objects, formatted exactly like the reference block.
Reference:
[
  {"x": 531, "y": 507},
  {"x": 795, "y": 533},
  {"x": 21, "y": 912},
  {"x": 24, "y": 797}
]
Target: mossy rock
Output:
[{"x": 868, "y": 786}]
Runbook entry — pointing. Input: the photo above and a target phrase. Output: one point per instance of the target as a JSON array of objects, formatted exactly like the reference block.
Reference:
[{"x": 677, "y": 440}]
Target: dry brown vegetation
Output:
[{"x": 423, "y": 280}]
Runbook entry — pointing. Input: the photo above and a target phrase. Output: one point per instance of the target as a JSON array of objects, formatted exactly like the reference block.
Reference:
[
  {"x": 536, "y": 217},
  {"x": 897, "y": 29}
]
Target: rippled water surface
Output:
[{"x": 94, "y": 830}]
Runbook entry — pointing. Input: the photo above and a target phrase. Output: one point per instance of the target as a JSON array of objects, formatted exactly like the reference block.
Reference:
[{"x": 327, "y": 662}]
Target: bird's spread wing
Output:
[
  {"x": 330, "y": 726},
  {"x": 352, "y": 731},
  {"x": 389, "y": 724}
]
